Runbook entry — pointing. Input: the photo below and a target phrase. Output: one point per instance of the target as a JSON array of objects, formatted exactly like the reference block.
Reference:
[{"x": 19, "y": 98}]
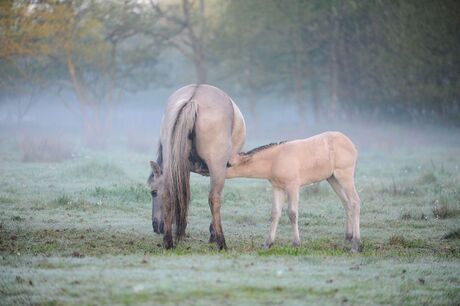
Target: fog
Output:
[{"x": 136, "y": 123}]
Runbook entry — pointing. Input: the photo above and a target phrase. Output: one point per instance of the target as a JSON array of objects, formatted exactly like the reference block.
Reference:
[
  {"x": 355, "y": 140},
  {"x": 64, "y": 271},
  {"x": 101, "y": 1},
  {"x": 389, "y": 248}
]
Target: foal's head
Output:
[
  {"x": 238, "y": 160},
  {"x": 156, "y": 185}
]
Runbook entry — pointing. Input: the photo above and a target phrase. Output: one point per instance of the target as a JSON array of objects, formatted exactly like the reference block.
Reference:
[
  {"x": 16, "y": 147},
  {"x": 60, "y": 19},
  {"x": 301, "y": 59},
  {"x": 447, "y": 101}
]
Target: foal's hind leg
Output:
[
  {"x": 343, "y": 198},
  {"x": 346, "y": 181},
  {"x": 278, "y": 195},
  {"x": 293, "y": 210}
]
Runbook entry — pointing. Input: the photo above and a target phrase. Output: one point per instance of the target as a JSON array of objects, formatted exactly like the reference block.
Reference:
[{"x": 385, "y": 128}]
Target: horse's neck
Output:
[{"x": 257, "y": 166}]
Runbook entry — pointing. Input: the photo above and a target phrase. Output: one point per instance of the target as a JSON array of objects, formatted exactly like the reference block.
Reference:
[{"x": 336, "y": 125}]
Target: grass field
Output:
[{"x": 79, "y": 232}]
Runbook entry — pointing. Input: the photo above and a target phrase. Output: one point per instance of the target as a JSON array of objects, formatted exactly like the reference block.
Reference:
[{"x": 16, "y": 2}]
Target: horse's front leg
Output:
[
  {"x": 212, "y": 234},
  {"x": 168, "y": 220},
  {"x": 278, "y": 195}
]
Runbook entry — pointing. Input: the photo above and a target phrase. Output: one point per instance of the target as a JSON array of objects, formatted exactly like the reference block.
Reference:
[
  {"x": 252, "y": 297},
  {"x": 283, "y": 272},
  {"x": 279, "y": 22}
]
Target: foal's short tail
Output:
[{"x": 178, "y": 180}]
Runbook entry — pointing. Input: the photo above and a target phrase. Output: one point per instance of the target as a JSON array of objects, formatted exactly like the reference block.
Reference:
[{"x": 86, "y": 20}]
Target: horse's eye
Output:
[{"x": 153, "y": 193}]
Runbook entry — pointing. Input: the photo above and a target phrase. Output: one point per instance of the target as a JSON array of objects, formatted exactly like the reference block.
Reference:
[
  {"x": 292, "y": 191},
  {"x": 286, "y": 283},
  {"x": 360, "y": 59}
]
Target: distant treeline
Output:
[{"x": 349, "y": 57}]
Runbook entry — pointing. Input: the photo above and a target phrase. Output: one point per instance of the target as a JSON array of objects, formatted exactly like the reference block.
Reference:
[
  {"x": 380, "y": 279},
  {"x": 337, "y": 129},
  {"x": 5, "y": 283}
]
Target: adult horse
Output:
[{"x": 201, "y": 128}]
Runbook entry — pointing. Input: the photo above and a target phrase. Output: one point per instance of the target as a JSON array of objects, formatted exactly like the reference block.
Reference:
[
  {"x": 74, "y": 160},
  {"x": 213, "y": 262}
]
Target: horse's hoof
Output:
[
  {"x": 212, "y": 239},
  {"x": 296, "y": 244},
  {"x": 168, "y": 243},
  {"x": 221, "y": 244}
]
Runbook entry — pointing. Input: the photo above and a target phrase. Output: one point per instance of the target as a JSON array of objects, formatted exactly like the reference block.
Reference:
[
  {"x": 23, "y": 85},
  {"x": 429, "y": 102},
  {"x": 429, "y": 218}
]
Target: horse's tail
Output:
[{"x": 179, "y": 166}]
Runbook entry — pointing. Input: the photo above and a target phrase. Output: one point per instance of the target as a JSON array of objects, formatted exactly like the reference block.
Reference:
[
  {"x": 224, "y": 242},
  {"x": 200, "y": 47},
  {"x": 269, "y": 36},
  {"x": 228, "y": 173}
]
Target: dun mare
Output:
[
  {"x": 201, "y": 126},
  {"x": 329, "y": 156}
]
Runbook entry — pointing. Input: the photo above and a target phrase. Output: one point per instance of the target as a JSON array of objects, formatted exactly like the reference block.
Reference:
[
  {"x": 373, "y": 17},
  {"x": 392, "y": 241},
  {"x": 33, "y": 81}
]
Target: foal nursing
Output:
[{"x": 289, "y": 165}]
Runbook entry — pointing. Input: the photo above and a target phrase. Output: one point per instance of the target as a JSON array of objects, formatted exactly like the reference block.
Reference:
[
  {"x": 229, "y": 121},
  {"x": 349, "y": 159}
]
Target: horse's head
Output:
[{"x": 155, "y": 184}]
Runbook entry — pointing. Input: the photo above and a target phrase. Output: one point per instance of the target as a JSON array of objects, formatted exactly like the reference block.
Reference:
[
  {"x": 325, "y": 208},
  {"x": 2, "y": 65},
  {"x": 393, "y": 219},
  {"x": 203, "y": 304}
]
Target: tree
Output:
[
  {"x": 97, "y": 49},
  {"x": 185, "y": 29}
]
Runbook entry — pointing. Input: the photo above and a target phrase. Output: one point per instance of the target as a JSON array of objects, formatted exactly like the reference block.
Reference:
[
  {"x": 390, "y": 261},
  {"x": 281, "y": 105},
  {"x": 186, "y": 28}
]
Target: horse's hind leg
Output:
[
  {"x": 346, "y": 181},
  {"x": 293, "y": 210},
  {"x": 278, "y": 195},
  {"x": 217, "y": 184},
  {"x": 343, "y": 198}
]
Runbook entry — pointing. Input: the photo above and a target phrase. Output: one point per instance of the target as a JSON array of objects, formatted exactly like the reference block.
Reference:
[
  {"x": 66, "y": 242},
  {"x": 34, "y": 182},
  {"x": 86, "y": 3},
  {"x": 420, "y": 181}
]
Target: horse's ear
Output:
[{"x": 155, "y": 168}]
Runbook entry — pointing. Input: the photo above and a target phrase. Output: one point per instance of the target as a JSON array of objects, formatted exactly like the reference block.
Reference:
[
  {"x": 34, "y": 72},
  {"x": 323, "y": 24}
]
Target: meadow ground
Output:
[{"x": 79, "y": 232}]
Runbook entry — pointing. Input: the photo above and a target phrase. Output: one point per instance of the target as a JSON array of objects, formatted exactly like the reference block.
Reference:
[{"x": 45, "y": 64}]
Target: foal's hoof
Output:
[
  {"x": 267, "y": 245},
  {"x": 355, "y": 246},
  {"x": 348, "y": 237},
  {"x": 296, "y": 244}
]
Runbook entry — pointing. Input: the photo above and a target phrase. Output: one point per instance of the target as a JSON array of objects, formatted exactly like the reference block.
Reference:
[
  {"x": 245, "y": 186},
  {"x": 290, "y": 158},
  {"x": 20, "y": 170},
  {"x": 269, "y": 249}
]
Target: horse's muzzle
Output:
[{"x": 158, "y": 227}]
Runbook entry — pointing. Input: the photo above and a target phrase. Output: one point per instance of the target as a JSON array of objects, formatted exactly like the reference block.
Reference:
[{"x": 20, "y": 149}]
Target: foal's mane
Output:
[{"x": 262, "y": 148}]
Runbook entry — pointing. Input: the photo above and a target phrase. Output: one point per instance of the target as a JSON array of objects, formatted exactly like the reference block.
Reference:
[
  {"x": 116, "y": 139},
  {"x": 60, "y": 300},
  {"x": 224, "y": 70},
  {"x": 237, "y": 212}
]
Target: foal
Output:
[{"x": 289, "y": 165}]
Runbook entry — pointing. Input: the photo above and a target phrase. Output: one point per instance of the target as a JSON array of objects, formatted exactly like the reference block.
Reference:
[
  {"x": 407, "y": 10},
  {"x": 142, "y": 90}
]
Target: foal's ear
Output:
[
  {"x": 155, "y": 168},
  {"x": 244, "y": 158},
  {"x": 238, "y": 159}
]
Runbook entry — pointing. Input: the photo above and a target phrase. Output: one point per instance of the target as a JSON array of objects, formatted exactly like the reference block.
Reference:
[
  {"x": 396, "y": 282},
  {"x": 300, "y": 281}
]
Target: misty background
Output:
[{"x": 97, "y": 74}]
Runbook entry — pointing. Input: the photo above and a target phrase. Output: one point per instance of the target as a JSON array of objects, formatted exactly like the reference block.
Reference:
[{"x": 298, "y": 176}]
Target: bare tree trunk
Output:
[
  {"x": 94, "y": 134},
  {"x": 333, "y": 65},
  {"x": 202, "y": 74},
  {"x": 253, "y": 109},
  {"x": 200, "y": 69},
  {"x": 316, "y": 98},
  {"x": 298, "y": 70},
  {"x": 196, "y": 39},
  {"x": 299, "y": 94}
]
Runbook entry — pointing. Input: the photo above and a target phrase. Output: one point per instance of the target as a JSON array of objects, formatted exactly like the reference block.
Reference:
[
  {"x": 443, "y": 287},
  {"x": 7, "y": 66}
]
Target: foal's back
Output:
[{"x": 313, "y": 159}]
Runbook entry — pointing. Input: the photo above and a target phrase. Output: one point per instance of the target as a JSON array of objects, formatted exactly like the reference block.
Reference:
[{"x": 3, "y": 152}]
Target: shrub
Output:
[
  {"x": 443, "y": 207},
  {"x": 97, "y": 169},
  {"x": 140, "y": 143},
  {"x": 427, "y": 178},
  {"x": 44, "y": 149},
  {"x": 397, "y": 241},
  {"x": 455, "y": 234}
]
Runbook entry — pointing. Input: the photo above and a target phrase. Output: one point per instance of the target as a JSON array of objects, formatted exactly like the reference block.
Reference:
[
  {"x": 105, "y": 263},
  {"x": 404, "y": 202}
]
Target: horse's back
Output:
[{"x": 219, "y": 126}]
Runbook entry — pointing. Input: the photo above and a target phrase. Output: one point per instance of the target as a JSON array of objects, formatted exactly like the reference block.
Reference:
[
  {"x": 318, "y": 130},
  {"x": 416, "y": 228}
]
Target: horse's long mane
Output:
[
  {"x": 176, "y": 167},
  {"x": 262, "y": 148}
]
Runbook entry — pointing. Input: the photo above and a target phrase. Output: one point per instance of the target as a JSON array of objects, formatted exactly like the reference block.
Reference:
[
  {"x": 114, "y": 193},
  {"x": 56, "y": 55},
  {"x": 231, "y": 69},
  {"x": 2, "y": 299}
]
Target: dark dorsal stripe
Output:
[{"x": 261, "y": 148}]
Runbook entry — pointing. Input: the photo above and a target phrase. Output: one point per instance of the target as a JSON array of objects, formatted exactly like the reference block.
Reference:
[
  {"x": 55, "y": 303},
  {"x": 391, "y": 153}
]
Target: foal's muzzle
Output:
[{"x": 158, "y": 227}]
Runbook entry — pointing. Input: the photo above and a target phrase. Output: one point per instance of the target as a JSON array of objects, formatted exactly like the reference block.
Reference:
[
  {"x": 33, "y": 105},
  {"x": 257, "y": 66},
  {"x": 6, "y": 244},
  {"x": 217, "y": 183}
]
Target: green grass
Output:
[{"x": 79, "y": 232}]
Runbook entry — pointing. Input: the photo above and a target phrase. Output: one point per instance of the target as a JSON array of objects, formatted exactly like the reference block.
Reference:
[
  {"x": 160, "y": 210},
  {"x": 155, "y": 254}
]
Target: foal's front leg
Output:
[{"x": 278, "y": 195}]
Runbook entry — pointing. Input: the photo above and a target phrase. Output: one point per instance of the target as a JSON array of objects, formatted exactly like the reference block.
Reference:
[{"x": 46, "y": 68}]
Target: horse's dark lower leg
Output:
[
  {"x": 167, "y": 237},
  {"x": 212, "y": 232},
  {"x": 214, "y": 204}
]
